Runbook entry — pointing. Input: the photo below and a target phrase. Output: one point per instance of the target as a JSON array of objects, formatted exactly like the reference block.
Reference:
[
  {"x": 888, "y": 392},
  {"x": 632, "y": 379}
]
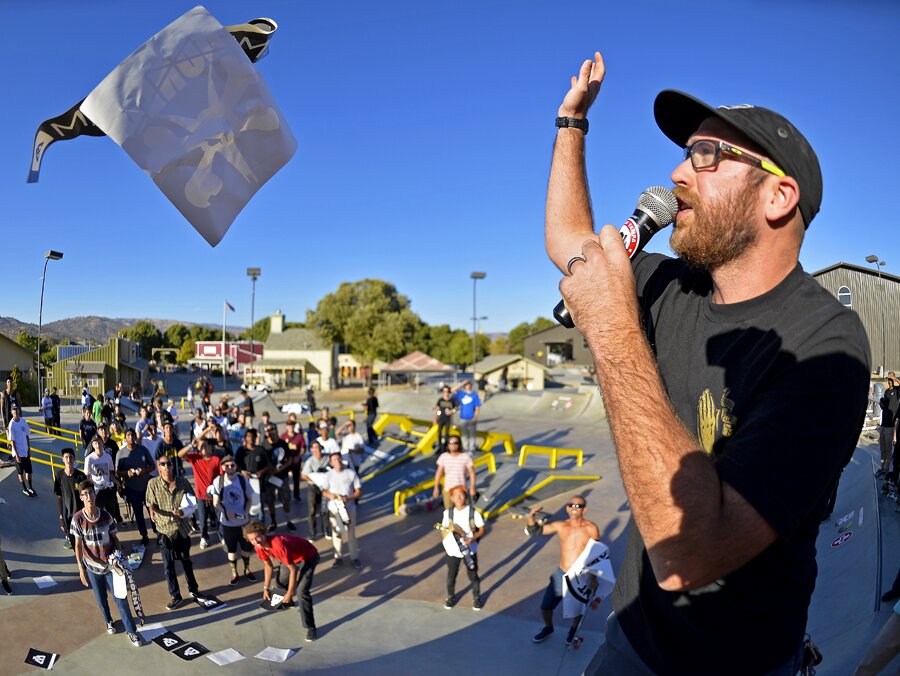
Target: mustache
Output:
[{"x": 685, "y": 196}]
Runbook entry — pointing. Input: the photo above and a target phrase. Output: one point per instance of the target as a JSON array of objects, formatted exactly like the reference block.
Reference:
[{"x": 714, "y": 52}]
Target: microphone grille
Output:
[{"x": 660, "y": 203}]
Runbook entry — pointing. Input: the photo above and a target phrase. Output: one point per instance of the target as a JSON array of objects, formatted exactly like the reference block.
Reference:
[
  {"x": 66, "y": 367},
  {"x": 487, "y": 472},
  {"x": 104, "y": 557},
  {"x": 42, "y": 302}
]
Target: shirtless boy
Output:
[{"x": 574, "y": 534}]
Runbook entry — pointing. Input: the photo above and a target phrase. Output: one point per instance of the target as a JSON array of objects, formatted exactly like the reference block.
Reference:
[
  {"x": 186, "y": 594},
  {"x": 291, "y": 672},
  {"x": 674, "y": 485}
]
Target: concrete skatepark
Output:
[{"x": 388, "y": 617}]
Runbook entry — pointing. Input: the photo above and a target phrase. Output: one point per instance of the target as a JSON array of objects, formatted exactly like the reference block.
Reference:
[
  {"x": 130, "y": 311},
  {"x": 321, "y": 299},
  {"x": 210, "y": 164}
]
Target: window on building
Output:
[{"x": 845, "y": 296}]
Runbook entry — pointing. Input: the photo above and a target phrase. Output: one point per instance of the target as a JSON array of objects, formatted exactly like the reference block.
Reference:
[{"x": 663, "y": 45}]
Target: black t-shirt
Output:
[
  {"x": 280, "y": 456},
  {"x": 736, "y": 375},
  {"x": 88, "y": 430},
  {"x": 170, "y": 450},
  {"x": 371, "y": 406},
  {"x": 889, "y": 403},
  {"x": 247, "y": 407},
  {"x": 445, "y": 409},
  {"x": 66, "y": 487},
  {"x": 254, "y": 461}
]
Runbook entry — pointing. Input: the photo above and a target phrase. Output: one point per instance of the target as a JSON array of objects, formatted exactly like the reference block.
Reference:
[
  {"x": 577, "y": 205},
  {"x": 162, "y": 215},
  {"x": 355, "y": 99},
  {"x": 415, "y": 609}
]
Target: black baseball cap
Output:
[{"x": 679, "y": 115}]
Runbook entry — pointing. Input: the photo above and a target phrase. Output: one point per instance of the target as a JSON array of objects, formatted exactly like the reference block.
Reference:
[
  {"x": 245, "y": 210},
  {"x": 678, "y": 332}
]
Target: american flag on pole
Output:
[{"x": 229, "y": 306}]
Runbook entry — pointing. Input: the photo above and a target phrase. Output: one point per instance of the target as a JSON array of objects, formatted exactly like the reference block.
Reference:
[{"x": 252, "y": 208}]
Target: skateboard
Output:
[
  {"x": 276, "y": 598},
  {"x": 458, "y": 536},
  {"x": 136, "y": 558},
  {"x": 592, "y": 604}
]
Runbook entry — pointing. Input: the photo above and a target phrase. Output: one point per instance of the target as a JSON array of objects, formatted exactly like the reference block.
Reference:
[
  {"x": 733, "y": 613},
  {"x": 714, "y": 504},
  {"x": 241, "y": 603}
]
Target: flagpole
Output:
[{"x": 224, "y": 363}]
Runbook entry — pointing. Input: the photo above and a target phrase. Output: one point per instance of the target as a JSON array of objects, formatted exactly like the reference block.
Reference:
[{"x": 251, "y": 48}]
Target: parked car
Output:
[{"x": 257, "y": 387}]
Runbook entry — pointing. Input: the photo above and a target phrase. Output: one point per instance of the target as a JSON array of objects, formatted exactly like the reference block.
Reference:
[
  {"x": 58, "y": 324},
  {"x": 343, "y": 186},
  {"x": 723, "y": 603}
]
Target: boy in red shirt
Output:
[
  {"x": 206, "y": 468},
  {"x": 297, "y": 558}
]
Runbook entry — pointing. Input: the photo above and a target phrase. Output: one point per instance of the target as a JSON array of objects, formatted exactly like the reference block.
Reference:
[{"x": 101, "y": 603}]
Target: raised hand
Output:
[{"x": 585, "y": 87}]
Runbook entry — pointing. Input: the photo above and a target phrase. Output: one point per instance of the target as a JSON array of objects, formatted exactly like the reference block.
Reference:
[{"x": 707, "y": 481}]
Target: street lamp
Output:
[
  {"x": 475, "y": 277},
  {"x": 253, "y": 273},
  {"x": 50, "y": 255},
  {"x": 873, "y": 259}
]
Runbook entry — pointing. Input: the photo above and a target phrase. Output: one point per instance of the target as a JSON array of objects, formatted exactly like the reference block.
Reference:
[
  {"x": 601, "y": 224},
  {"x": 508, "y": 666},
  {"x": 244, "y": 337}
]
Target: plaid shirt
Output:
[{"x": 165, "y": 503}]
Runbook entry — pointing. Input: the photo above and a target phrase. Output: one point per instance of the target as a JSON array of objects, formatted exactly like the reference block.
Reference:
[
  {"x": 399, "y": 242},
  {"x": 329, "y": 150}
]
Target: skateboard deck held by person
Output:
[{"x": 458, "y": 539}]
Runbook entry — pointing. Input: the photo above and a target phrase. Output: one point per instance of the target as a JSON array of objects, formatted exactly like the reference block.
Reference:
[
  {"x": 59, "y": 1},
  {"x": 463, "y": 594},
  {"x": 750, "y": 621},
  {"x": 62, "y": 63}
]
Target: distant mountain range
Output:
[{"x": 96, "y": 329}]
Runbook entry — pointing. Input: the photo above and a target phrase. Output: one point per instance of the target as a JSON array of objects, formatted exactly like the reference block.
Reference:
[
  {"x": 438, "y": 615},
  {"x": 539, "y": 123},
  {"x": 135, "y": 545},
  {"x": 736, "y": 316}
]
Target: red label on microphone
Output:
[{"x": 631, "y": 237}]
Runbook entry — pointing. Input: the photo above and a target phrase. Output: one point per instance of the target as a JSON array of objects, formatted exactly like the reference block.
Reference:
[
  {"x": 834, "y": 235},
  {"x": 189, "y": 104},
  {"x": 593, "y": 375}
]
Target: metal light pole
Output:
[
  {"x": 475, "y": 277},
  {"x": 873, "y": 259},
  {"x": 50, "y": 255},
  {"x": 254, "y": 274}
]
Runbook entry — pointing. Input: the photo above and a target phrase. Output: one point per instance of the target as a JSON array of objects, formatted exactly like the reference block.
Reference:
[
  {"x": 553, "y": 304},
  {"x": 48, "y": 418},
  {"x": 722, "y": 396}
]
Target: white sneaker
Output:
[
  {"x": 135, "y": 640},
  {"x": 204, "y": 543},
  {"x": 110, "y": 629}
]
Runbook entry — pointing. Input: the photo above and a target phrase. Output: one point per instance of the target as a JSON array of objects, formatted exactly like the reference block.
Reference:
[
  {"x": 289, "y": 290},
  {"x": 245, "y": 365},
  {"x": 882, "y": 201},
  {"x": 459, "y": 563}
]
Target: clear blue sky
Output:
[{"x": 424, "y": 134}]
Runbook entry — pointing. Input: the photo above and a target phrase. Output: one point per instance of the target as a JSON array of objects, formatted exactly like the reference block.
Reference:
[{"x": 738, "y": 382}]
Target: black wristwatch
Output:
[{"x": 572, "y": 122}]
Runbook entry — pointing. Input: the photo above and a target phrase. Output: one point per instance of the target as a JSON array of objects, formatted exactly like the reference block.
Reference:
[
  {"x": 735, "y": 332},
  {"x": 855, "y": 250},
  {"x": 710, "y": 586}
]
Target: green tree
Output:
[
  {"x": 259, "y": 331},
  {"x": 518, "y": 334},
  {"x": 371, "y": 318},
  {"x": 175, "y": 335},
  {"x": 29, "y": 342},
  {"x": 199, "y": 333},
  {"x": 186, "y": 351},
  {"x": 438, "y": 344},
  {"x": 500, "y": 345},
  {"x": 146, "y": 334}
]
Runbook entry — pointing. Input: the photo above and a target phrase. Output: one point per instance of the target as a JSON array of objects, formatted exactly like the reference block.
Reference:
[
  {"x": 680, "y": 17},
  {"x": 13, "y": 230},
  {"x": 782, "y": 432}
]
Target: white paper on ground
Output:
[
  {"x": 151, "y": 631},
  {"x": 275, "y": 654},
  {"x": 120, "y": 589},
  {"x": 44, "y": 581},
  {"x": 227, "y": 656},
  {"x": 195, "y": 115}
]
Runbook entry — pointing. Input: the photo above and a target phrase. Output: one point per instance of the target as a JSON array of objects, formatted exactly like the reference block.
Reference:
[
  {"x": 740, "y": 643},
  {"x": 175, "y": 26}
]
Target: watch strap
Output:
[{"x": 581, "y": 124}]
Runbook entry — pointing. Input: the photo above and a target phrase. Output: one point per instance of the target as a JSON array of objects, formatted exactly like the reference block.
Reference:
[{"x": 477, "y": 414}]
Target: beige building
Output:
[
  {"x": 12, "y": 354},
  {"x": 519, "y": 372},
  {"x": 100, "y": 369},
  {"x": 294, "y": 358}
]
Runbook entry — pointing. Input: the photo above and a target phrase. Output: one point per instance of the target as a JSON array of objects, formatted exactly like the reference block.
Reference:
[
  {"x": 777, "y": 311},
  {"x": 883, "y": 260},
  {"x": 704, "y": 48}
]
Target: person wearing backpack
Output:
[
  {"x": 462, "y": 516},
  {"x": 231, "y": 499}
]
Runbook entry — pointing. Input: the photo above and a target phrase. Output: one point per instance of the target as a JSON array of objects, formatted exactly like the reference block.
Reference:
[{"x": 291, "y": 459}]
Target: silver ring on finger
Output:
[{"x": 572, "y": 261}]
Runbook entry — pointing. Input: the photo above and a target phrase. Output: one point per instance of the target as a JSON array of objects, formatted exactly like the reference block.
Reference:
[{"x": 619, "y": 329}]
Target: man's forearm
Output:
[
  {"x": 568, "y": 218},
  {"x": 675, "y": 494}
]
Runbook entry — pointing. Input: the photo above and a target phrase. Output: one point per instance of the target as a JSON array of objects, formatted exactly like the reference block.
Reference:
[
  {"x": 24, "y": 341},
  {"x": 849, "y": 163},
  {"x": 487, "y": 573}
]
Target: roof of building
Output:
[
  {"x": 495, "y": 362},
  {"x": 276, "y": 363},
  {"x": 856, "y": 268},
  {"x": 85, "y": 366},
  {"x": 11, "y": 343},
  {"x": 417, "y": 362},
  {"x": 296, "y": 339}
]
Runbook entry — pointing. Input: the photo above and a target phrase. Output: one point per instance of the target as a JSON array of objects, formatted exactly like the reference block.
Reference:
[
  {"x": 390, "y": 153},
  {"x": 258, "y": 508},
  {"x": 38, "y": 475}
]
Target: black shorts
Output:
[
  {"x": 233, "y": 536},
  {"x": 24, "y": 465}
]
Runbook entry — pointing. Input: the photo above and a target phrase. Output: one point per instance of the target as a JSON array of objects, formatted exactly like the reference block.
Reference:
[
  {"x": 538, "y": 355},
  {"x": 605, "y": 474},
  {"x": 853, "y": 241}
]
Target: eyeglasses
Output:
[
  {"x": 576, "y": 505},
  {"x": 455, "y": 443},
  {"x": 706, "y": 154},
  {"x": 229, "y": 464}
]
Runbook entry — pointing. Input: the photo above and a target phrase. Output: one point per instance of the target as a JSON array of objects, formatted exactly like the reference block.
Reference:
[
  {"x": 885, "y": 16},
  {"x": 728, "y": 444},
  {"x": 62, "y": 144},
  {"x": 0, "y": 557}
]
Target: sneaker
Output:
[
  {"x": 135, "y": 640},
  {"x": 174, "y": 602},
  {"x": 250, "y": 576},
  {"x": 32, "y": 492},
  {"x": 204, "y": 543},
  {"x": 67, "y": 544},
  {"x": 26, "y": 493},
  {"x": 6, "y": 587},
  {"x": 272, "y": 527},
  {"x": 338, "y": 562},
  {"x": 543, "y": 634},
  {"x": 234, "y": 580},
  {"x": 145, "y": 541},
  {"x": 570, "y": 637},
  {"x": 477, "y": 605},
  {"x": 110, "y": 628},
  {"x": 356, "y": 563},
  {"x": 195, "y": 595},
  {"x": 311, "y": 635},
  {"x": 291, "y": 526},
  {"x": 448, "y": 602}
]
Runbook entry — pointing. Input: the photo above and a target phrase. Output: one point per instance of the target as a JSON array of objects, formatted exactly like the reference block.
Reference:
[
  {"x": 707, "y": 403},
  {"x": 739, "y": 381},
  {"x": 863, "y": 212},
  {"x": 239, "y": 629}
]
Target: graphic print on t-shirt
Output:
[{"x": 712, "y": 421}]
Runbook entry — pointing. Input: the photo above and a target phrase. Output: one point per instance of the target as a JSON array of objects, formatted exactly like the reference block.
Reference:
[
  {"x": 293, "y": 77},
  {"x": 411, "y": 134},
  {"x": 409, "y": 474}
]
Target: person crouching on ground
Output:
[{"x": 297, "y": 558}]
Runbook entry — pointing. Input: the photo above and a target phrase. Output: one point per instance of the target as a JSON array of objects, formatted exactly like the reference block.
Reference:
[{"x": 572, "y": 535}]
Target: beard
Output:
[{"x": 720, "y": 231}]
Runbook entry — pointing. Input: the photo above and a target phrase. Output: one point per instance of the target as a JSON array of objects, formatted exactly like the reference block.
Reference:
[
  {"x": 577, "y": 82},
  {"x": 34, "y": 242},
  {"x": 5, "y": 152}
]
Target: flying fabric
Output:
[
  {"x": 192, "y": 112},
  {"x": 593, "y": 561}
]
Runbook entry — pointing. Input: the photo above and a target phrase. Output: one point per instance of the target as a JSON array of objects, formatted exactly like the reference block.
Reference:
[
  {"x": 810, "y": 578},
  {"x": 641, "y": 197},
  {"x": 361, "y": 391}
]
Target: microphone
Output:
[{"x": 656, "y": 208}]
